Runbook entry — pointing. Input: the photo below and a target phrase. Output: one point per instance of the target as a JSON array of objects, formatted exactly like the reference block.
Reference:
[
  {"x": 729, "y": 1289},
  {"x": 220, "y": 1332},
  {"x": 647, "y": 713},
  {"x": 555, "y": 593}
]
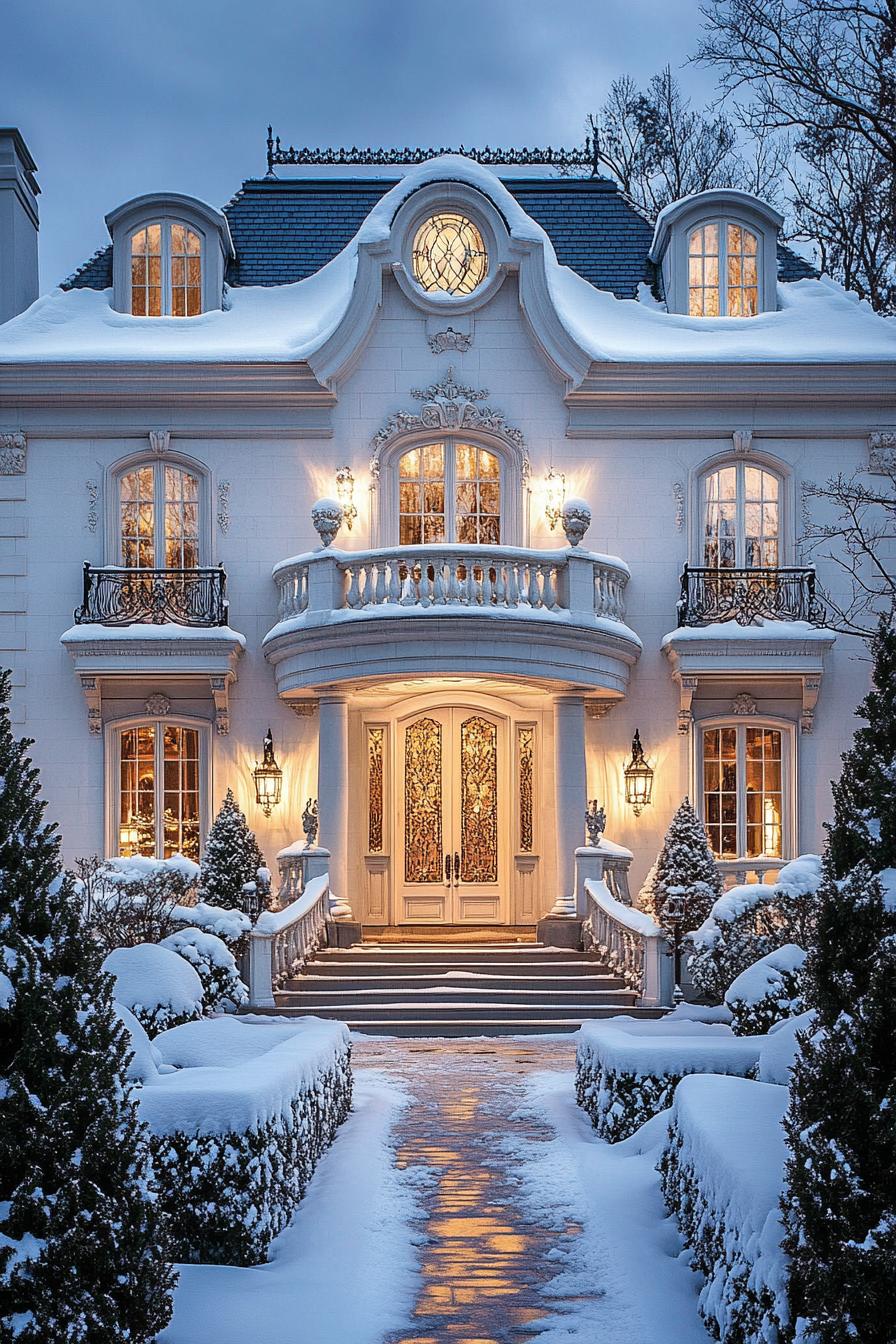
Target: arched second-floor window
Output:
[
  {"x": 449, "y": 491},
  {"x": 159, "y": 516},
  {"x": 166, "y": 270},
  {"x": 723, "y": 270},
  {"x": 740, "y": 517}
]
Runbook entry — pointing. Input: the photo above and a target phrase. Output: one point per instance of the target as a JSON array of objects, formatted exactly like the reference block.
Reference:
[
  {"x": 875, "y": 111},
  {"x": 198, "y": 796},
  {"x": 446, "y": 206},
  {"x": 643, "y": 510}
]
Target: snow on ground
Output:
[
  {"x": 627, "y": 1245},
  {"x": 344, "y": 1272}
]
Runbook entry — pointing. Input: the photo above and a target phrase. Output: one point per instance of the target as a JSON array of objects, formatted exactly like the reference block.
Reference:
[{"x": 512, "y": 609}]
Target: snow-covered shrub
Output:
[
  {"x": 685, "y": 873},
  {"x": 767, "y": 992},
  {"x": 160, "y": 988},
  {"x": 231, "y": 926},
  {"x": 627, "y": 1070},
  {"x": 222, "y": 989},
  {"x": 231, "y": 859},
  {"x": 144, "y": 1060},
  {"x": 238, "y": 1128},
  {"x": 131, "y": 901},
  {"x": 749, "y": 921},
  {"x": 722, "y": 1176},
  {"x": 780, "y": 1047}
]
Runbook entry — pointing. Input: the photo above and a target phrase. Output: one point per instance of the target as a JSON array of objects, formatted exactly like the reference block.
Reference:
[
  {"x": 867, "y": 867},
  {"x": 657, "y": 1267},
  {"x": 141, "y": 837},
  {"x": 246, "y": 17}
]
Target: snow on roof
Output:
[{"x": 817, "y": 321}]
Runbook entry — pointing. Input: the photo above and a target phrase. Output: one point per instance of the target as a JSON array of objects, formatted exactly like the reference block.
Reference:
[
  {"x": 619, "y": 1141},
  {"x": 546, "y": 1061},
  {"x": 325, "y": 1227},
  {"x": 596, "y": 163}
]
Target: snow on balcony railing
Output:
[
  {"x": 283, "y": 940},
  {"x": 484, "y": 578},
  {"x": 632, "y": 944}
]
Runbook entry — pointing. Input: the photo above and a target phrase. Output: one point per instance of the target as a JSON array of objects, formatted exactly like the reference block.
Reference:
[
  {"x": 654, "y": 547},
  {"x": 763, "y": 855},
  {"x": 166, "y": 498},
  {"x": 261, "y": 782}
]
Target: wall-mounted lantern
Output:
[
  {"x": 345, "y": 493},
  {"x": 638, "y": 778},
  {"x": 268, "y": 778},
  {"x": 554, "y": 495}
]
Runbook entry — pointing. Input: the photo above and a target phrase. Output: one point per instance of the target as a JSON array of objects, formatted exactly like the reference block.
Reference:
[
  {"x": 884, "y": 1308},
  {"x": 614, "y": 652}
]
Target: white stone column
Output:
[
  {"x": 570, "y": 788},
  {"x": 332, "y": 788}
]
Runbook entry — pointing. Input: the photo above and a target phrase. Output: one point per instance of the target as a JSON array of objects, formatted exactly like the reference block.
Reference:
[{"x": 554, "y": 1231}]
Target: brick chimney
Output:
[{"x": 18, "y": 225}]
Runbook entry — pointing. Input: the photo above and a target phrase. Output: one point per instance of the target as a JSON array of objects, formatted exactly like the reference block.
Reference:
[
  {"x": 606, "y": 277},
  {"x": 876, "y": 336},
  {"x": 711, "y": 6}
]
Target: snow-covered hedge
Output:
[
  {"x": 749, "y": 921},
  {"x": 231, "y": 926},
  {"x": 222, "y": 989},
  {"x": 722, "y": 1175},
  {"x": 160, "y": 988},
  {"x": 238, "y": 1127},
  {"x": 627, "y": 1069},
  {"x": 778, "y": 1053},
  {"x": 767, "y": 992}
]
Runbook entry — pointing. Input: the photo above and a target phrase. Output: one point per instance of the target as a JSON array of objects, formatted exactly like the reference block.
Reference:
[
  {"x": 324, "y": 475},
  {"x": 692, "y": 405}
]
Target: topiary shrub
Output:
[
  {"x": 159, "y": 987},
  {"x": 231, "y": 860}
]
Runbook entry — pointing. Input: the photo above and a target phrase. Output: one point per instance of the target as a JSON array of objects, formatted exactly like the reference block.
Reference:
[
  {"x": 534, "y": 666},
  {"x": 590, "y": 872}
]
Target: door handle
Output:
[
  {"x": 448, "y": 870},
  {"x": 456, "y": 868}
]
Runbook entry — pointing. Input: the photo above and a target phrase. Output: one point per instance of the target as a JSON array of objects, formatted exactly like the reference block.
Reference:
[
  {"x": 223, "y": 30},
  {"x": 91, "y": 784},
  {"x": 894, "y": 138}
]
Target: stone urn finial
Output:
[
  {"x": 326, "y": 515},
  {"x": 576, "y": 519}
]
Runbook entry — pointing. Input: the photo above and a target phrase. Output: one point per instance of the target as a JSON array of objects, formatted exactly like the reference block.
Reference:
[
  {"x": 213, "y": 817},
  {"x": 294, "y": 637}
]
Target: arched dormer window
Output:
[
  {"x": 718, "y": 252},
  {"x": 159, "y": 520},
  {"x": 168, "y": 256},
  {"x": 166, "y": 270},
  {"x": 723, "y": 276}
]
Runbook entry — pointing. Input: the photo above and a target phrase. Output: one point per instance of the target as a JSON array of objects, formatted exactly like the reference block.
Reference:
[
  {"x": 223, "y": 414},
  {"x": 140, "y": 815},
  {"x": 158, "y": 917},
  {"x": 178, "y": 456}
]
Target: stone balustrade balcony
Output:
[{"x": 555, "y": 616}]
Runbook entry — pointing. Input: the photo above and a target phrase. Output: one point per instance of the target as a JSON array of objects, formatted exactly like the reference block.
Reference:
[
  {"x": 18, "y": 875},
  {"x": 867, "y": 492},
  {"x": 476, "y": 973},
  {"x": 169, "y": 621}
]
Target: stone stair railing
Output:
[
  {"x": 283, "y": 940},
  {"x": 632, "y": 944},
  {"x": 484, "y": 578}
]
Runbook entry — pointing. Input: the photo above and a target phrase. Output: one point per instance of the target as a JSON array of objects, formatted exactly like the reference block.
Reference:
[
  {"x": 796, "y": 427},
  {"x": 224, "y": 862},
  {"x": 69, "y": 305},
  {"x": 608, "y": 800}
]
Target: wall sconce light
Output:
[
  {"x": 638, "y": 778},
  {"x": 345, "y": 493},
  {"x": 554, "y": 495},
  {"x": 268, "y": 778}
]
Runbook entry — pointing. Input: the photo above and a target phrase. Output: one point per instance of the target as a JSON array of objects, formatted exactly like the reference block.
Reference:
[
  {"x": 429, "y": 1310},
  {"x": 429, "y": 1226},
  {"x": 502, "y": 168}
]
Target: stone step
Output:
[
  {"x": 327, "y": 963},
  {"x": 523, "y": 1023},
  {"x": 547, "y": 984},
  {"x": 439, "y": 1010},
  {"x": 448, "y": 994}
]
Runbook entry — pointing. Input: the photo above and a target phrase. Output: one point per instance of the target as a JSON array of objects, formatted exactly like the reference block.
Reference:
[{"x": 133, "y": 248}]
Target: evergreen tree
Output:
[
  {"x": 840, "y": 1198},
  {"x": 686, "y": 872},
  {"x": 81, "y": 1254},
  {"x": 864, "y": 825},
  {"x": 231, "y": 859},
  {"x": 647, "y": 895}
]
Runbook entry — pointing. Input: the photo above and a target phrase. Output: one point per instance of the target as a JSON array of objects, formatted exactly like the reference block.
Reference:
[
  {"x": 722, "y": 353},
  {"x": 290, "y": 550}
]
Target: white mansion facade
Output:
[{"x": 455, "y": 359}]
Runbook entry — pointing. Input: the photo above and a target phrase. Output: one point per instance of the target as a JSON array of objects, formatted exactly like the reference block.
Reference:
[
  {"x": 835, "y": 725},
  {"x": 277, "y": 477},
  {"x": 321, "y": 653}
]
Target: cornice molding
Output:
[{"x": 175, "y": 384}]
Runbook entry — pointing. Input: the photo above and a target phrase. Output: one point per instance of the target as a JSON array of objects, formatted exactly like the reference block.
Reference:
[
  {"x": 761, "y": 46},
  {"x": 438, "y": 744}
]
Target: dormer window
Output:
[
  {"x": 166, "y": 271},
  {"x": 718, "y": 253},
  {"x": 169, "y": 255},
  {"x": 723, "y": 277},
  {"x": 449, "y": 255}
]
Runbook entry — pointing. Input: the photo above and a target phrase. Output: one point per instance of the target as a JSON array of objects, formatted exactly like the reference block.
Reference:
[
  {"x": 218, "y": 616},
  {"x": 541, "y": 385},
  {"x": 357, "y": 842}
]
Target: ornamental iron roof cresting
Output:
[{"x": 584, "y": 156}]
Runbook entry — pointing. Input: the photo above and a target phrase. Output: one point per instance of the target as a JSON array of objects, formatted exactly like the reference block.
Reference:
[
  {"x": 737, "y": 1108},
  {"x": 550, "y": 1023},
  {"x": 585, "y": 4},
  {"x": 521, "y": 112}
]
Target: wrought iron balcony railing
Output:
[
  {"x": 710, "y": 596},
  {"x": 116, "y": 596}
]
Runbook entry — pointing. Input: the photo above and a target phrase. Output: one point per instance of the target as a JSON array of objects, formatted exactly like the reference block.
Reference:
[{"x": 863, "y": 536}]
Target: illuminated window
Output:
[
  {"x": 166, "y": 271},
  {"x": 449, "y": 255},
  {"x": 723, "y": 276},
  {"x": 158, "y": 791},
  {"x": 741, "y": 518},
  {"x": 449, "y": 491},
  {"x": 743, "y": 792},
  {"x": 159, "y": 517}
]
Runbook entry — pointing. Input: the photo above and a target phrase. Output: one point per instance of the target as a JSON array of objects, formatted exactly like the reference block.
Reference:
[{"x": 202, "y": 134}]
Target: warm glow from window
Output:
[
  {"x": 435, "y": 473},
  {"x": 723, "y": 276},
  {"x": 743, "y": 792},
  {"x": 166, "y": 271},
  {"x": 741, "y": 518},
  {"x": 449, "y": 255},
  {"x": 158, "y": 793},
  {"x": 159, "y": 517}
]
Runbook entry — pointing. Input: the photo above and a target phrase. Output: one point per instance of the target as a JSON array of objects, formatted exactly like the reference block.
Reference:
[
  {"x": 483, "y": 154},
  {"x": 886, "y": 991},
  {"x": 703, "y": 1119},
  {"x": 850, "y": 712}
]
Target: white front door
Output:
[{"x": 452, "y": 787}]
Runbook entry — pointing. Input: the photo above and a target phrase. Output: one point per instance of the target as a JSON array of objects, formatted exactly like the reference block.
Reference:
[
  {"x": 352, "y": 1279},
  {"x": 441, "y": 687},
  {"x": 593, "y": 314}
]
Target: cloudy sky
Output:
[{"x": 115, "y": 98}]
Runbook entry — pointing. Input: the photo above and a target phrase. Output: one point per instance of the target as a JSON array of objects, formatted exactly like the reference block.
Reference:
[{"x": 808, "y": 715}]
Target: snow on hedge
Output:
[
  {"x": 222, "y": 989},
  {"x": 231, "y": 925},
  {"x": 779, "y": 1049},
  {"x": 159, "y": 987},
  {"x": 238, "y": 1127},
  {"x": 768, "y": 991},
  {"x": 145, "y": 1062},
  {"x": 627, "y": 1069},
  {"x": 723, "y": 1175}
]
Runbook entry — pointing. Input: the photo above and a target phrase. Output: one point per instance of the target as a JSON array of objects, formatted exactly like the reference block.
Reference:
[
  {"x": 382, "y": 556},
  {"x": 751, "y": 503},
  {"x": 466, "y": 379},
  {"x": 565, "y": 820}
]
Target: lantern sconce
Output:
[
  {"x": 345, "y": 493},
  {"x": 268, "y": 778},
  {"x": 554, "y": 496},
  {"x": 638, "y": 778}
]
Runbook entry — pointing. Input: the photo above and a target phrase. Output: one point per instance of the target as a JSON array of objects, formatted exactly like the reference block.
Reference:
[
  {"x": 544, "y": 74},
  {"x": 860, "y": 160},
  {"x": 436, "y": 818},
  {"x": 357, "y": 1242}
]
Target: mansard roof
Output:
[{"x": 285, "y": 229}]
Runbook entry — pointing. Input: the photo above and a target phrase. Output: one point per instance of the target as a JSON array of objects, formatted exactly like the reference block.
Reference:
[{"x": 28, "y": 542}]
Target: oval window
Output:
[{"x": 449, "y": 255}]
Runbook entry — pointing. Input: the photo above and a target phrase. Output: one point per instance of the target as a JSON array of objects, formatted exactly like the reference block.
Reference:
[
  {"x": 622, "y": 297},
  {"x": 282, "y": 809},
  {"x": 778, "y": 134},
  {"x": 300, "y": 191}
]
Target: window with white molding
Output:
[
  {"x": 159, "y": 520},
  {"x": 166, "y": 270},
  {"x": 741, "y": 516},
  {"x": 158, "y": 788},
  {"x": 746, "y": 787}
]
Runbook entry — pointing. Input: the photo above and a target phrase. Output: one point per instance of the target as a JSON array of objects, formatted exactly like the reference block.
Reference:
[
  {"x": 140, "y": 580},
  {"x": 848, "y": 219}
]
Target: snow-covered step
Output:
[{"x": 545, "y": 984}]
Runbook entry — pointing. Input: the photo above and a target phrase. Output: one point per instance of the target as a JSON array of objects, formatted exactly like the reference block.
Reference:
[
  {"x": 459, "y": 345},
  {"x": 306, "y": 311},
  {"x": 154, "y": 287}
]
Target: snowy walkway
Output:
[{"x": 466, "y": 1201}]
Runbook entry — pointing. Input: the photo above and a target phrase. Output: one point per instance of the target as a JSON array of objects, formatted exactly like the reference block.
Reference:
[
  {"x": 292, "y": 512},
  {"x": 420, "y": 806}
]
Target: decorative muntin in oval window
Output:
[{"x": 449, "y": 255}]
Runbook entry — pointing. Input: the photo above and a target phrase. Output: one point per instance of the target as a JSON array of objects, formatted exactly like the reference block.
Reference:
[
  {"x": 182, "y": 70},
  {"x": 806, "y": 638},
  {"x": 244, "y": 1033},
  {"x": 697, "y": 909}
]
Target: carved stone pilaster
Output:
[
  {"x": 92, "y": 694},
  {"x": 13, "y": 453},
  {"x": 220, "y": 688},
  {"x": 687, "y": 687}
]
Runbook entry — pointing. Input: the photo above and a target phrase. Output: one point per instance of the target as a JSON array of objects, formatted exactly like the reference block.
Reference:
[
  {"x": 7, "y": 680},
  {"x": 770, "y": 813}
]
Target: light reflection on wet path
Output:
[{"x": 483, "y": 1260}]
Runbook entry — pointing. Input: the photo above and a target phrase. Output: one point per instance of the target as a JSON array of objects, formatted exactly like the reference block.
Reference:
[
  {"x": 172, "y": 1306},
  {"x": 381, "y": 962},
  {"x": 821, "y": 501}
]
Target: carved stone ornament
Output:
[
  {"x": 93, "y": 491},
  {"x": 882, "y": 451},
  {"x": 13, "y": 453},
  {"x": 224, "y": 506},
  {"x": 310, "y": 822},
  {"x": 449, "y": 339},
  {"x": 157, "y": 705},
  {"x": 678, "y": 496},
  {"x": 743, "y": 703},
  {"x": 576, "y": 519},
  {"x": 595, "y": 823},
  {"x": 447, "y": 405},
  {"x": 326, "y": 515},
  {"x": 159, "y": 441},
  {"x": 743, "y": 442}
]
